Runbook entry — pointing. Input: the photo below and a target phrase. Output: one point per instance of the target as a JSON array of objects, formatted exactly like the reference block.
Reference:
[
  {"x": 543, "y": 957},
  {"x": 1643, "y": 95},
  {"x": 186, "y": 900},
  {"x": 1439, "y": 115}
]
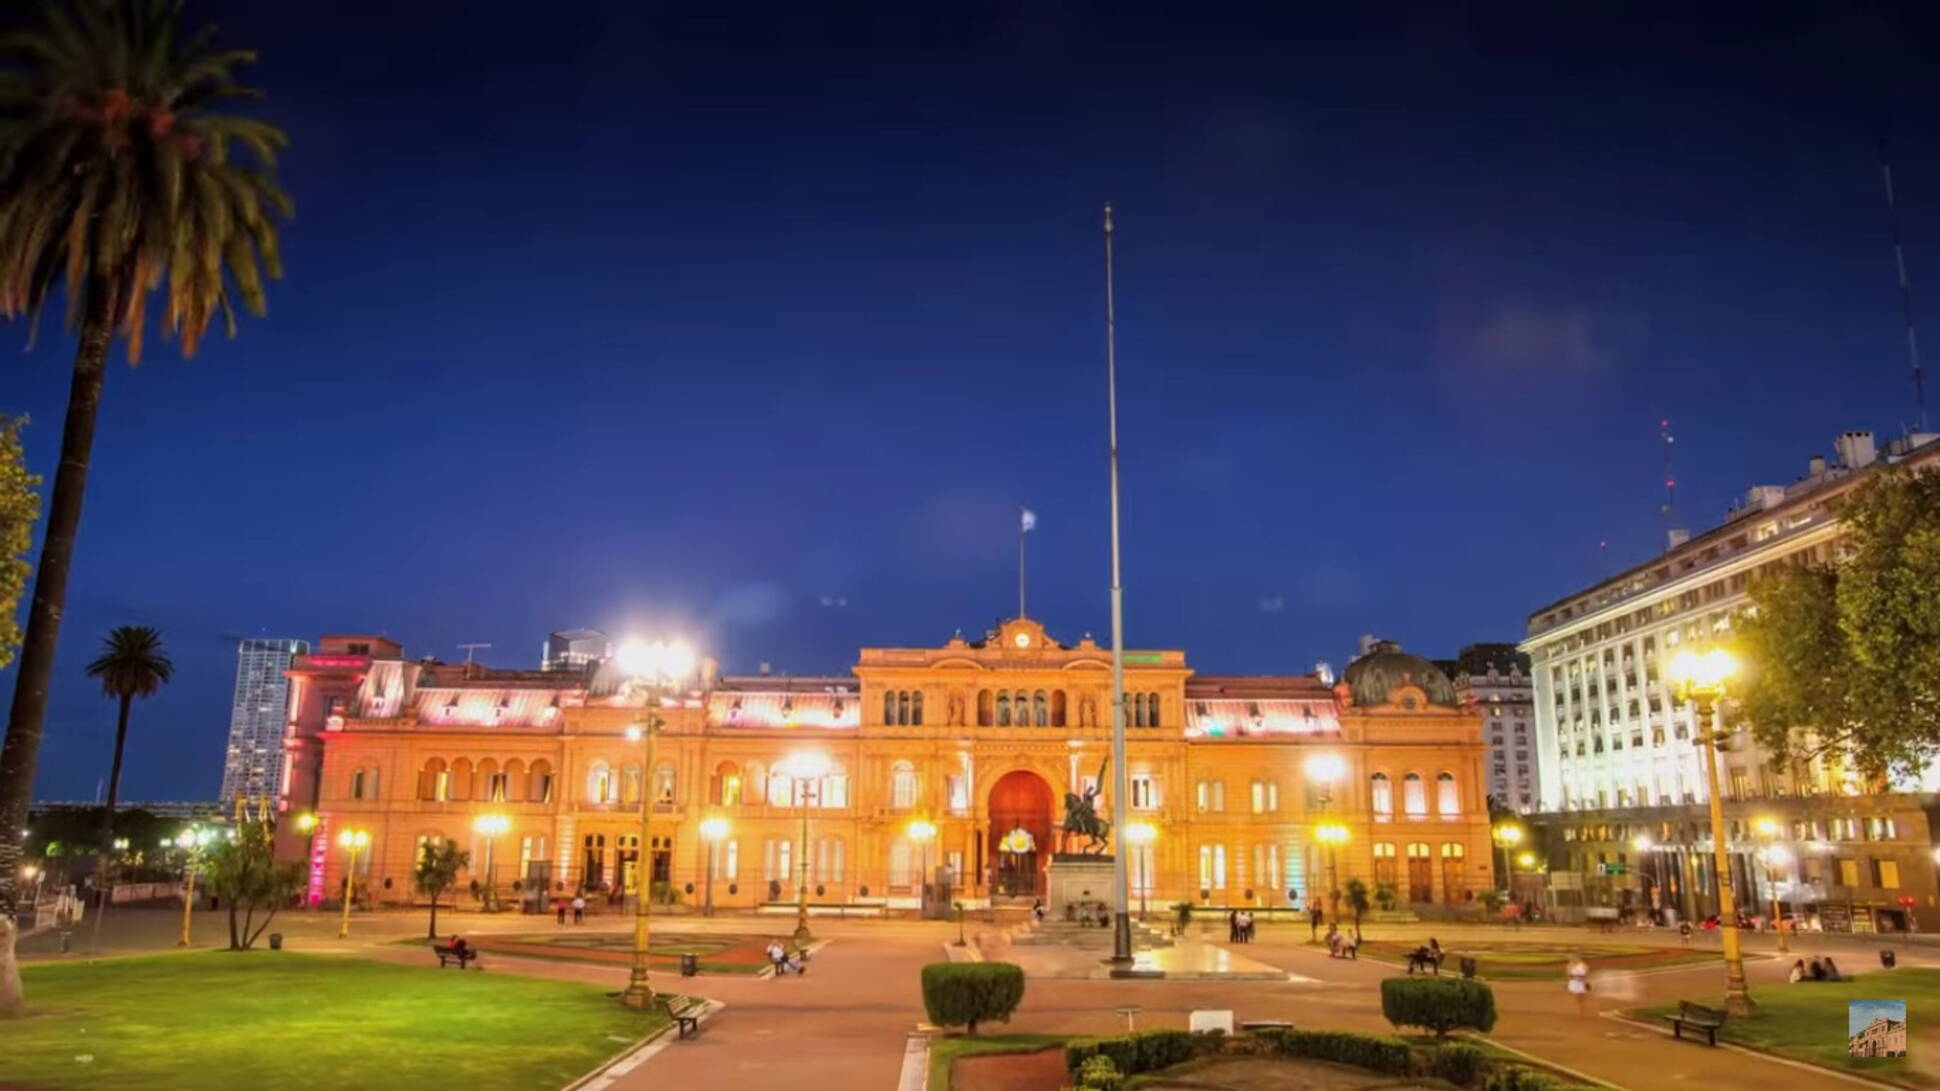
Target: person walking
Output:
[
  {"x": 1313, "y": 919},
  {"x": 1232, "y": 926},
  {"x": 559, "y": 908},
  {"x": 579, "y": 908},
  {"x": 1579, "y": 983}
]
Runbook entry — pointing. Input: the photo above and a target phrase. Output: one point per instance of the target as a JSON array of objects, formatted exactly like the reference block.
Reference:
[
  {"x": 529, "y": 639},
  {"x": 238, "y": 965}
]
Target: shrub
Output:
[
  {"x": 1149, "y": 1051},
  {"x": 967, "y": 993},
  {"x": 1440, "y": 1004},
  {"x": 1457, "y": 1062},
  {"x": 1376, "y": 1052},
  {"x": 1508, "y": 1078},
  {"x": 1099, "y": 1074}
]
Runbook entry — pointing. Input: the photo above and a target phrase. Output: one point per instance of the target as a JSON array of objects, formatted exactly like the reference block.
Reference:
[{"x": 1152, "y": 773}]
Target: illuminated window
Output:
[
  {"x": 1212, "y": 867},
  {"x": 663, "y": 784},
  {"x": 731, "y": 861},
  {"x": 903, "y": 785},
  {"x": 1144, "y": 795},
  {"x": 1266, "y": 796},
  {"x": 1414, "y": 796},
  {"x": 1448, "y": 798},
  {"x": 1382, "y": 792},
  {"x": 1211, "y": 795}
]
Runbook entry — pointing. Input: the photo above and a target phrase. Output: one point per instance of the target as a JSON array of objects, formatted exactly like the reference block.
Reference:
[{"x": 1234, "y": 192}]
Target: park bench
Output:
[
  {"x": 446, "y": 955},
  {"x": 1697, "y": 1017},
  {"x": 1421, "y": 958},
  {"x": 686, "y": 1017}
]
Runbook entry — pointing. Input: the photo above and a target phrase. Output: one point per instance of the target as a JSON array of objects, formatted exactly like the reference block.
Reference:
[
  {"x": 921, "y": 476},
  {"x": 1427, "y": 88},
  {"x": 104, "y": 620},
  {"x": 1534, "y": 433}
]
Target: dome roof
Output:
[{"x": 1385, "y": 667}]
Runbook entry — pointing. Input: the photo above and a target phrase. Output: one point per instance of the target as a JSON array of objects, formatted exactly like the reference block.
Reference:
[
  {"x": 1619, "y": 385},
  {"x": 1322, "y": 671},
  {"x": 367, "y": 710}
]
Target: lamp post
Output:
[
  {"x": 713, "y": 829},
  {"x": 1332, "y": 835},
  {"x": 1774, "y": 856},
  {"x": 190, "y": 841},
  {"x": 1507, "y": 836},
  {"x": 491, "y": 826},
  {"x": 1140, "y": 835},
  {"x": 1701, "y": 679},
  {"x": 1647, "y": 852},
  {"x": 921, "y": 831},
  {"x": 649, "y": 668},
  {"x": 803, "y": 766},
  {"x": 351, "y": 840}
]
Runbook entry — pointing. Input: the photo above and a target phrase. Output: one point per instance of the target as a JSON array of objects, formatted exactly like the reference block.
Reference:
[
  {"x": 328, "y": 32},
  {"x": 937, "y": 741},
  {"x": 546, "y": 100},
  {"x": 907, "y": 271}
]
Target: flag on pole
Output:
[{"x": 1027, "y": 521}]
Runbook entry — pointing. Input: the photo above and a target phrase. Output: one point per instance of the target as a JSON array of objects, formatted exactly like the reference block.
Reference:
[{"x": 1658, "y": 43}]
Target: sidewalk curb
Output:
[
  {"x": 1804, "y": 1066},
  {"x": 635, "y": 1055},
  {"x": 1545, "y": 1062},
  {"x": 915, "y": 1073}
]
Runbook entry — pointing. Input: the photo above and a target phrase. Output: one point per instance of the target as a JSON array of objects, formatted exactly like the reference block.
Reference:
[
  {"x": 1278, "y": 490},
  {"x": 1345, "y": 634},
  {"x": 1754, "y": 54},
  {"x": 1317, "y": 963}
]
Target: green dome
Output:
[{"x": 1385, "y": 667}]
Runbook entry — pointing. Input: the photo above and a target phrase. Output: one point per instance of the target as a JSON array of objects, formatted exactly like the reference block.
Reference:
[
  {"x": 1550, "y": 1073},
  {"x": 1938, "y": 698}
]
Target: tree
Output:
[
  {"x": 439, "y": 863},
  {"x": 245, "y": 873},
  {"x": 1844, "y": 659},
  {"x": 967, "y": 993},
  {"x": 117, "y": 179},
  {"x": 131, "y": 664},
  {"x": 1357, "y": 900},
  {"x": 19, "y": 507}
]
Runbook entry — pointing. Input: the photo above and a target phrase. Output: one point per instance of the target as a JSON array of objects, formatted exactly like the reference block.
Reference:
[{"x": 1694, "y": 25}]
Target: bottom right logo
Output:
[{"x": 1876, "y": 1028}]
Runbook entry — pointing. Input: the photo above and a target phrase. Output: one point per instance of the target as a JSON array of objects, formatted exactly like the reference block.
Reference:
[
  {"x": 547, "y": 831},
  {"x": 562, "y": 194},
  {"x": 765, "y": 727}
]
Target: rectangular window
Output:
[
  {"x": 957, "y": 787},
  {"x": 1848, "y": 872},
  {"x": 1886, "y": 873},
  {"x": 1212, "y": 867},
  {"x": 902, "y": 864},
  {"x": 1143, "y": 797},
  {"x": 1266, "y": 796},
  {"x": 835, "y": 792},
  {"x": 1740, "y": 784},
  {"x": 731, "y": 861}
]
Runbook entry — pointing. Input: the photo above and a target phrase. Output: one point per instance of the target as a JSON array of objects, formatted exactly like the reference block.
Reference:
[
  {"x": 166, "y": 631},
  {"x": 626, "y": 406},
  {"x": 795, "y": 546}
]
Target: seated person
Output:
[
  {"x": 1798, "y": 972},
  {"x": 460, "y": 948},
  {"x": 1831, "y": 971}
]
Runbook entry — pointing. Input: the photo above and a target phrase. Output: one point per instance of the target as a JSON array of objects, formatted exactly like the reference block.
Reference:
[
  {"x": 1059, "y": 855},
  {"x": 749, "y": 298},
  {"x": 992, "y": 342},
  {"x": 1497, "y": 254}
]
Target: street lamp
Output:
[
  {"x": 1701, "y": 679},
  {"x": 351, "y": 840},
  {"x": 921, "y": 831},
  {"x": 1332, "y": 835},
  {"x": 713, "y": 829},
  {"x": 1507, "y": 836},
  {"x": 1141, "y": 835},
  {"x": 1774, "y": 856},
  {"x": 803, "y": 766},
  {"x": 1647, "y": 852},
  {"x": 491, "y": 826},
  {"x": 1326, "y": 769},
  {"x": 190, "y": 841},
  {"x": 650, "y": 667}
]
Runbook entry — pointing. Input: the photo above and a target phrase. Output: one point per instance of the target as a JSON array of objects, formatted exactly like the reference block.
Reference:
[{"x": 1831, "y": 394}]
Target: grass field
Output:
[
  {"x": 275, "y": 1019},
  {"x": 1536, "y": 961},
  {"x": 1808, "y": 1022}
]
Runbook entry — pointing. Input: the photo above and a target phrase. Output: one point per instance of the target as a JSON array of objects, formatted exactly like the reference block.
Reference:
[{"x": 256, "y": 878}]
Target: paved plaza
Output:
[{"x": 847, "y": 1023}]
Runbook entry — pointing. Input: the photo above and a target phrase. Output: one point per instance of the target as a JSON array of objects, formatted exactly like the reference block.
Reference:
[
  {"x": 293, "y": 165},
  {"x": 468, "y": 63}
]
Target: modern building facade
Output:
[
  {"x": 1616, "y": 749},
  {"x": 253, "y": 763},
  {"x": 983, "y": 740},
  {"x": 574, "y": 650},
  {"x": 1495, "y": 679}
]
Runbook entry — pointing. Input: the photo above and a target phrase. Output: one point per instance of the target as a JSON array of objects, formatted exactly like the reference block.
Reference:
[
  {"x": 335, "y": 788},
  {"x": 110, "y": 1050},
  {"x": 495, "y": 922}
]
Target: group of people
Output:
[
  {"x": 1239, "y": 926},
  {"x": 1822, "y": 969},
  {"x": 780, "y": 958},
  {"x": 1427, "y": 958},
  {"x": 577, "y": 903},
  {"x": 1341, "y": 945}
]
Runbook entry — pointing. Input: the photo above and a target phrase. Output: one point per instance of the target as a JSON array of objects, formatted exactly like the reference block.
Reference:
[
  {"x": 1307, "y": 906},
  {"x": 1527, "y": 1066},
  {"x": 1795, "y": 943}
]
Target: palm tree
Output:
[
  {"x": 119, "y": 177},
  {"x": 131, "y": 665}
]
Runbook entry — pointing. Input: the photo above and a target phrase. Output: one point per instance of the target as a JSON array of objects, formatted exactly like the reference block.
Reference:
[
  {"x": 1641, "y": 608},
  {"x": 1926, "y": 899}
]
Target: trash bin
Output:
[
  {"x": 276, "y": 941},
  {"x": 1887, "y": 957},
  {"x": 690, "y": 964},
  {"x": 1468, "y": 967}
]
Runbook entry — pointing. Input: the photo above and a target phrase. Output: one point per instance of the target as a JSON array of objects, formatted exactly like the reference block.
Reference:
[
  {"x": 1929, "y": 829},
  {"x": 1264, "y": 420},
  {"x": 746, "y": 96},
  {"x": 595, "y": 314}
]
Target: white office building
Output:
[
  {"x": 1609, "y": 733},
  {"x": 1496, "y": 679},
  {"x": 257, "y": 715}
]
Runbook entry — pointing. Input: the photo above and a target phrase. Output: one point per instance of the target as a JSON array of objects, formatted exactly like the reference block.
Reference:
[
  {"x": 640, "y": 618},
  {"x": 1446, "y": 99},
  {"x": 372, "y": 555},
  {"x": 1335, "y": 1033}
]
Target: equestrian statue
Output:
[{"x": 1081, "y": 817}]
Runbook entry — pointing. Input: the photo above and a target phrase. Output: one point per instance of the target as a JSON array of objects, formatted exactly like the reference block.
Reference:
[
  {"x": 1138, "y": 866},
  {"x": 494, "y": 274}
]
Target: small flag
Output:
[{"x": 1027, "y": 521}]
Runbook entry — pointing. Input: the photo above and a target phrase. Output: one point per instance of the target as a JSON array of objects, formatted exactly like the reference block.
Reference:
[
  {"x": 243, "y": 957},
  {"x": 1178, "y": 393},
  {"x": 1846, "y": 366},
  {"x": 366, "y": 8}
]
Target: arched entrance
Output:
[{"x": 1020, "y": 838}]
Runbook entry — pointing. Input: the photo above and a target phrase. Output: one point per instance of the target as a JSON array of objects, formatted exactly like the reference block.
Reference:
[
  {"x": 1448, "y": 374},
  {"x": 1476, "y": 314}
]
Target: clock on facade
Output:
[{"x": 1022, "y": 640}]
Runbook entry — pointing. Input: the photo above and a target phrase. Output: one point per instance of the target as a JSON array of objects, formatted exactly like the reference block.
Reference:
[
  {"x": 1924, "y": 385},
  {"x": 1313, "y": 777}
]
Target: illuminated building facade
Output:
[
  {"x": 981, "y": 739},
  {"x": 253, "y": 761}
]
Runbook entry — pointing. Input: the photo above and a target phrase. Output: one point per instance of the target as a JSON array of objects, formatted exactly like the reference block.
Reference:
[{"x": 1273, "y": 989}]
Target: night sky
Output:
[{"x": 760, "y": 330}]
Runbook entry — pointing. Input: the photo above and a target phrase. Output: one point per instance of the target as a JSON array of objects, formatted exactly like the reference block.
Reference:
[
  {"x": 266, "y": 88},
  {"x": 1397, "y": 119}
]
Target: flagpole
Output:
[
  {"x": 1121, "y": 944},
  {"x": 1022, "y": 529}
]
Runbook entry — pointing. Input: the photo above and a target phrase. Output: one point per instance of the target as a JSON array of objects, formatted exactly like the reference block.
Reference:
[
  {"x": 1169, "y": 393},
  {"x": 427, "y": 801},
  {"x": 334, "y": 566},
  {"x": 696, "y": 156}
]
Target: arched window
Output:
[
  {"x": 539, "y": 782},
  {"x": 726, "y": 789},
  {"x": 1057, "y": 708},
  {"x": 986, "y": 709},
  {"x": 599, "y": 782},
  {"x": 629, "y": 788},
  {"x": 1003, "y": 708},
  {"x": 1453, "y": 850},
  {"x": 1041, "y": 706},
  {"x": 1151, "y": 710},
  {"x": 1414, "y": 796},
  {"x": 902, "y": 707},
  {"x": 491, "y": 782},
  {"x": 433, "y": 780},
  {"x": 515, "y": 785},
  {"x": 1448, "y": 798},
  {"x": 461, "y": 779},
  {"x": 781, "y": 788},
  {"x": 1382, "y": 791},
  {"x": 903, "y": 785},
  {"x": 1384, "y": 866},
  {"x": 915, "y": 717},
  {"x": 357, "y": 779},
  {"x": 663, "y": 784},
  {"x": 889, "y": 706}
]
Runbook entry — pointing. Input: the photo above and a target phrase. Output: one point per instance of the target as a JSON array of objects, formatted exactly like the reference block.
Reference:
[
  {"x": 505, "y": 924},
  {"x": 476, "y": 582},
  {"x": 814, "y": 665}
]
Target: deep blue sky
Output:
[{"x": 634, "y": 320}]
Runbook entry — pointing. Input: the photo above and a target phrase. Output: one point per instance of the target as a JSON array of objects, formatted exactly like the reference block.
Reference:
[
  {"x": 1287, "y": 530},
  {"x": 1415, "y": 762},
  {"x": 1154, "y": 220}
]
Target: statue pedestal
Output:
[{"x": 1076, "y": 878}]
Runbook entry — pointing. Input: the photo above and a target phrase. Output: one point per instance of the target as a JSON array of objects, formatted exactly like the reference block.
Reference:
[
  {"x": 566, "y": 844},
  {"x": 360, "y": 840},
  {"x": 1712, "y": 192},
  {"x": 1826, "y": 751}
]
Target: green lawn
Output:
[
  {"x": 1808, "y": 1022},
  {"x": 1542, "y": 961},
  {"x": 945, "y": 1051},
  {"x": 282, "y": 1020}
]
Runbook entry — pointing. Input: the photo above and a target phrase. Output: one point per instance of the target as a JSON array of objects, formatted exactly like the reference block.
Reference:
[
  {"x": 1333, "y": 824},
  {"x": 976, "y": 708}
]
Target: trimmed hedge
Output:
[
  {"x": 1147, "y": 1051},
  {"x": 1457, "y": 1062},
  {"x": 967, "y": 993},
  {"x": 1099, "y": 1074},
  {"x": 1439, "y": 1004},
  {"x": 1524, "y": 1079},
  {"x": 1375, "y": 1052}
]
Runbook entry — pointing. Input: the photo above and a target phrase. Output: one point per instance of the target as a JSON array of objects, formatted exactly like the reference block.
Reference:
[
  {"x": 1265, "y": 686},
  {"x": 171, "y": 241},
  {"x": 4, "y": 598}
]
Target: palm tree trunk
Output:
[
  {"x": 104, "y": 879},
  {"x": 20, "y": 755},
  {"x": 432, "y": 932}
]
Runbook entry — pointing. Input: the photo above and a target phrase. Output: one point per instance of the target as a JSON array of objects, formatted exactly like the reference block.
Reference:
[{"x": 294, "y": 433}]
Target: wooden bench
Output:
[
  {"x": 446, "y": 955},
  {"x": 1697, "y": 1017},
  {"x": 686, "y": 1017}
]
